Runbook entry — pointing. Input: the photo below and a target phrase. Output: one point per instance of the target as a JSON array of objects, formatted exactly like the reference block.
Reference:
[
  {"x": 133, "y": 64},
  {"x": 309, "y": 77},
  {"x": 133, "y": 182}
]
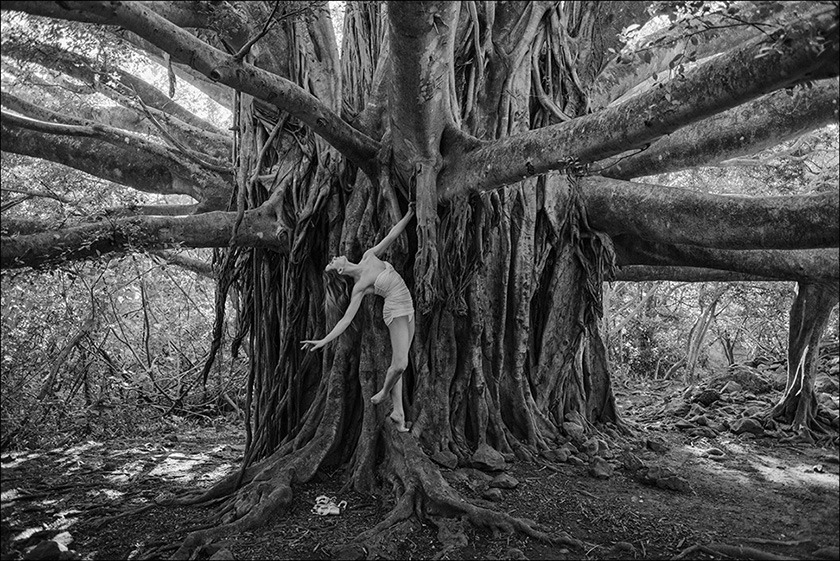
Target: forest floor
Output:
[{"x": 769, "y": 492}]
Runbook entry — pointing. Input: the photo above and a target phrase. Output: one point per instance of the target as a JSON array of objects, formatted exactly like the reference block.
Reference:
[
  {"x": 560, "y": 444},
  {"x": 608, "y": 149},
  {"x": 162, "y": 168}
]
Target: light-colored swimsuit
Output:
[{"x": 390, "y": 285}]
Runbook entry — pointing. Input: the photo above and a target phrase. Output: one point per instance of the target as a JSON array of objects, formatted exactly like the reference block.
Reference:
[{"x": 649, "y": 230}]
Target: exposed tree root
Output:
[
  {"x": 730, "y": 552},
  {"x": 426, "y": 494}
]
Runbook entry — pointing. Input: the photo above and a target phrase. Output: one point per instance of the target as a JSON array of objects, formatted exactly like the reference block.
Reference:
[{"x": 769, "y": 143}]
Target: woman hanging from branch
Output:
[{"x": 372, "y": 275}]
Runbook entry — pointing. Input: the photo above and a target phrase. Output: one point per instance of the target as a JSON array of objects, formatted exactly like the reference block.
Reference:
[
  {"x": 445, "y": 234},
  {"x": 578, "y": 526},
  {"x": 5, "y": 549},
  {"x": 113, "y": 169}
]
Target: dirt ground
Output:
[{"x": 768, "y": 492}]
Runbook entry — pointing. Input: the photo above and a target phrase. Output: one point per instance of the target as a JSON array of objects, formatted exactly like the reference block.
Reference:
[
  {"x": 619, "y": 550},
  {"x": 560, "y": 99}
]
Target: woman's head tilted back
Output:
[{"x": 336, "y": 264}]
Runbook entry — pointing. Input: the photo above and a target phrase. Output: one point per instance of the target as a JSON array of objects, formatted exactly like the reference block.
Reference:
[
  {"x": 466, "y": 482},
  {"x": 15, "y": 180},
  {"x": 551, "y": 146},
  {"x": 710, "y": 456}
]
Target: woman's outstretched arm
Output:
[
  {"x": 398, "y": 228},
  {"x": 343, "y": 323}
]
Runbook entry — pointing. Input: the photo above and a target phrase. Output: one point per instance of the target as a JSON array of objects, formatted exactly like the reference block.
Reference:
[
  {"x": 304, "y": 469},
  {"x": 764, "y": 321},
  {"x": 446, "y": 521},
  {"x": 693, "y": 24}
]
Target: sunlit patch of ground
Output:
[
  {"x": 785, "y": 467},
  {"x": 179, "y": 467}
]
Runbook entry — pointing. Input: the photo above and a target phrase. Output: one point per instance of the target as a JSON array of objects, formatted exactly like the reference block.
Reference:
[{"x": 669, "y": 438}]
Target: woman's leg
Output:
[
  {"x": 398, "y": 414},
  {"x": 400, "y": 332}
]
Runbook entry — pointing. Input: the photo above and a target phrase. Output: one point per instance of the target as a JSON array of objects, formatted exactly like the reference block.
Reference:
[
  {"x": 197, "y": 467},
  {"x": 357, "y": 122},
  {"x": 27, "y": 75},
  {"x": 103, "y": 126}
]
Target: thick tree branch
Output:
[
  {"x": 115, "y": 156},
  {"x": 111, "y": 81},
  {"x": 813, "y": 265},
  {"x": 699, "y": 37},
  {"x": 215, "y": 145},
  {"x": 680, "y": 216},
  {"x": 744, "y": 130},
  {"x": 212, "y": 229},
  {"x": 717, "y": 85},
  {"x": 182, "y": 13},
  {"x": 221, "y": 67},
  {"x": 639, "y": 273},
  {"x": 220, "y": 93},
  {"x": 150, "y": 210}
]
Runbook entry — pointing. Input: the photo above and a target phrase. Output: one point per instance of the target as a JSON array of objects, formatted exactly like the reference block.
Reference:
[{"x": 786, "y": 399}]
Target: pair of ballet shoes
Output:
[{"x": 326, "y": 506}]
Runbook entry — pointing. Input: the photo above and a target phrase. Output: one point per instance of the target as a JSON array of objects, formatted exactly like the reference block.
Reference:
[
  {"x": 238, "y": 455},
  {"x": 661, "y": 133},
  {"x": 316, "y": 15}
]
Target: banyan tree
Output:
[{"x": 516, "y": 127}]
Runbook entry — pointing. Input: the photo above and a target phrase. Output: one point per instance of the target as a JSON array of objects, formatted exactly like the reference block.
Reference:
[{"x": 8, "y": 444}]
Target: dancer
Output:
[{"x": 372, "y": 275}]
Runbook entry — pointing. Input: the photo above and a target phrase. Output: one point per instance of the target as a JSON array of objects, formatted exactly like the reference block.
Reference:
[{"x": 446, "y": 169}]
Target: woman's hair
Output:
[{"x": 336, "y": 296}]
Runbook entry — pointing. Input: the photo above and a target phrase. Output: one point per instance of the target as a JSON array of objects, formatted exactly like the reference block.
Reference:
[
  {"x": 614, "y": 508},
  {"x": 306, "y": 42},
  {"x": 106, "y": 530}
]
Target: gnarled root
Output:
[{"x": 426, "y": 494}]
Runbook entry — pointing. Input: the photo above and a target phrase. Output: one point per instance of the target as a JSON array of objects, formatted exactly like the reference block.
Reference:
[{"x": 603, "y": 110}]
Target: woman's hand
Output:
[
  {"x": 313, "y": 345},
  {"x": 411, "y": 206}
]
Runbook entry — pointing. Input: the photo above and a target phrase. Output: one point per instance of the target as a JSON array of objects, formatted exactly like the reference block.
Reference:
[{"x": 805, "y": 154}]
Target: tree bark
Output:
[
  {"x": 680, "y": 216},
  {"x": 809, "y": 315},
  {"x": 813, "y": 265},
  {"x": 212, "y": 229},
  {"x": 746, "y": 129}
]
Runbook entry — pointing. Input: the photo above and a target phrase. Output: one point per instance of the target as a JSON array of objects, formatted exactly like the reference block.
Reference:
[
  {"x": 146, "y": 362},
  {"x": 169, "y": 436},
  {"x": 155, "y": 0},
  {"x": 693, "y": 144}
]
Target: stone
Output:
[
  {"x": 706, "y": 397},
  {"x": 226, "y": 555},
  {"x": 700, "y": 421},
  {"x": 665, "y": 479},
  {"x": 562, "y": 454},
  {"x": 827, "y": 401},
  {"x": 656, "y": 446},
  {"x": 679, "y": 409},
  {"x": 684, "y": 425},
  {"x": 515, "y": 554},
  {"x": 748, "y": 425},
  {"x": 825, "y": 385},
  {"x": 591, "y": 446},
  {"x": 47, "y": 549},
  {"x": 475, "y": 474},
  {"x": 575, "y": 461},
  {"x": 674, "y": 483},
  {"x": 600, "y": 468},
  {"x": 731, "y": 387},
  {"x": 445, "y": 458},
  {"x": 702, "y": 432},
  {"x": 631, "y": 462},
  {"x": 695, "y": 411},
  {"x": 486, "y": 458},
  {"x": 575, "y": 431},
  {"x": 755, "y": 411},
  {"x": 504, "y": 481},
  {"x": 493, "y": 494}
]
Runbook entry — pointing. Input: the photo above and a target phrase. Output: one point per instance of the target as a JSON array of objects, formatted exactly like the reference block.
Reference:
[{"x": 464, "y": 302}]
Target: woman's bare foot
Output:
[
  {"x": 379, "y": 398},
  {"x": 399, "y": 421}
]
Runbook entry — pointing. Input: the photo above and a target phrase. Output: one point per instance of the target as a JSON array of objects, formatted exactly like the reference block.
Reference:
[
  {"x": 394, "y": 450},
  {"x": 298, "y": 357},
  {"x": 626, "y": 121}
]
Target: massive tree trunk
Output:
[
  {"x": 507, "y": 283},
  {"x": 480, "y": 113}
]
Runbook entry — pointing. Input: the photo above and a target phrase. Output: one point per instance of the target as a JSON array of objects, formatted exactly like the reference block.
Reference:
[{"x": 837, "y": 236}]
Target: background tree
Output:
[{"x": 515, "y": 126}]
